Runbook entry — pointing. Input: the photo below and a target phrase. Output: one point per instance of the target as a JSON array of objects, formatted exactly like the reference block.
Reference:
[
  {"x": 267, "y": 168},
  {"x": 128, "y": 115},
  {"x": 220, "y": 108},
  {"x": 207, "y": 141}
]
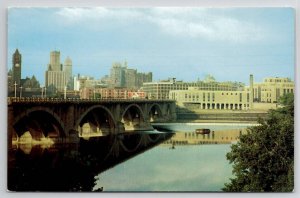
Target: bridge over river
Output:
[{"x": 66, "y": 120}]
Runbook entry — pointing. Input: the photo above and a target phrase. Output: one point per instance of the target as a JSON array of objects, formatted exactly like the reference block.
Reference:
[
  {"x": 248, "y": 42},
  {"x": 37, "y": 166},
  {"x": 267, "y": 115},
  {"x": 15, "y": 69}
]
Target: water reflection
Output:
[
  {"x": 73, "y": 167},
  {"x": 186, "y": 162},
  {"x": 214, "y": 137},
  {"x": 199, "y": 168}
]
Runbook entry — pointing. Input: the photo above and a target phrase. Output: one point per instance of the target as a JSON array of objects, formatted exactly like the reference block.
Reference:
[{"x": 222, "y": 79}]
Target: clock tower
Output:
[{"x": 16, "y": 69}]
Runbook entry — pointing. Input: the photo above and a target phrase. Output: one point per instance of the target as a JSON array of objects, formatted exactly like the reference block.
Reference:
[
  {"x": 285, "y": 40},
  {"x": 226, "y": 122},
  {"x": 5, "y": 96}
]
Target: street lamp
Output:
[
  {"x": 15, "y": 89},
  {"x": 65, "y": 93},
  {"x": 21, "y": 91},
  {"x": 42, "y": 92}
]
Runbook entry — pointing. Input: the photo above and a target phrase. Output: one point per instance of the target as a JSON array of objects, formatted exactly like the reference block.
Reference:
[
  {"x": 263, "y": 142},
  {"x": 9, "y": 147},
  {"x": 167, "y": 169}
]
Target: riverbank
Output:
[{"x": 212, "y": 116}]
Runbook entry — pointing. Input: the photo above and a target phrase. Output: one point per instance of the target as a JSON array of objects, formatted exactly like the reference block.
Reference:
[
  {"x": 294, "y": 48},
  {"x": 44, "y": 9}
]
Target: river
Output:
[
  {"x": 171, "y": 158},
  {"x": 190, "y": 166}
]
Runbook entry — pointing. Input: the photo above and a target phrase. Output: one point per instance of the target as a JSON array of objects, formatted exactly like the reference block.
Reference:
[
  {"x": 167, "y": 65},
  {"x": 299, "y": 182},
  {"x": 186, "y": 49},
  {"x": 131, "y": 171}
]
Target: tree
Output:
[{"x": 263, "y": 159}]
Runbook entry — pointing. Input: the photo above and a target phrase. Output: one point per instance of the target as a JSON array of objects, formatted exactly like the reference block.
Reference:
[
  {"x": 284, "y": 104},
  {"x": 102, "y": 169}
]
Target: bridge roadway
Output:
[{"x": 66, "y": 120}]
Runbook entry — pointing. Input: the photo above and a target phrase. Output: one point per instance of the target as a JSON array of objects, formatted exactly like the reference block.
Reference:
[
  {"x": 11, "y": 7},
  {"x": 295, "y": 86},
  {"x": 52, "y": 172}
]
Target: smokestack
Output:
[{"x": 251, "y": 91}]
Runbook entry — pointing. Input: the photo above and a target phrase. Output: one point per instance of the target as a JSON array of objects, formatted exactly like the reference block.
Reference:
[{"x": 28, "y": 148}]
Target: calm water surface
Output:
[{"x": 187, "y": 167}]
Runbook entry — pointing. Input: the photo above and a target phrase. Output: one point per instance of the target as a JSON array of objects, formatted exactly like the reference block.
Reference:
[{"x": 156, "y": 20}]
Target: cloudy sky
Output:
[{"x": 186, "y": 43}]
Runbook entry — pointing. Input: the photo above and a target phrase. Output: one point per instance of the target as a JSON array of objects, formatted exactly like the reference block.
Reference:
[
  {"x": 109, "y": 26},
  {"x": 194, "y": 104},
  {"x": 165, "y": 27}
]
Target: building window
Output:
[
  {"x": 241, "y": 97},
  {"x": 248, "y": 97},
  {"x": 203, "y": 96}
]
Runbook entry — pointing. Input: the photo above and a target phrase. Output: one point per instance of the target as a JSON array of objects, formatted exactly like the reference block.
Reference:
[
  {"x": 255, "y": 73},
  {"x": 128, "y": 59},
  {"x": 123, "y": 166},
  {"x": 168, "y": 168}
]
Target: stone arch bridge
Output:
[{"x": 67, "y": 120}]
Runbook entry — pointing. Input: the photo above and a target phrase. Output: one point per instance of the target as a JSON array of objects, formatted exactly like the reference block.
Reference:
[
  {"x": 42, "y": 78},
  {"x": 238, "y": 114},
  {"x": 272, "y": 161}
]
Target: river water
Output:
[
  {"x": 171, "y": 158},
  {"x": 186, "y": 162}
]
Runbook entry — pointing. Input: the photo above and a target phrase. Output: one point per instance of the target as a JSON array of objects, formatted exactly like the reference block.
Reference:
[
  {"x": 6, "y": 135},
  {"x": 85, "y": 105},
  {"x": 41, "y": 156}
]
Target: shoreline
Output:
[
  {"x": 219, "y": 117},
  {"x": 204, "y": 122},
  {"x": 218, "y": 122}
]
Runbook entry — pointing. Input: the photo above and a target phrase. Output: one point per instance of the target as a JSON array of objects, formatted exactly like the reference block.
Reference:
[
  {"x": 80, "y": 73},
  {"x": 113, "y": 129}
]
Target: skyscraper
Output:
[
  {"x": 55, "y": 76},
  {"x": 143, "y": 78},
  {"x": 121, "y": 76},
  {"x": 16, "y": 68},
  {"x": 68, "y": 71},
  {"x": 117, "y": 75},
  {"x": 130, "y": 78}
]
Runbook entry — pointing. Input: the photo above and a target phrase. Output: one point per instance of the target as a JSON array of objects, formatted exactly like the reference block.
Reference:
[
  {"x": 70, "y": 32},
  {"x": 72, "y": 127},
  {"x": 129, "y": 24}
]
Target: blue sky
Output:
[{"x": 186, "y": 43}]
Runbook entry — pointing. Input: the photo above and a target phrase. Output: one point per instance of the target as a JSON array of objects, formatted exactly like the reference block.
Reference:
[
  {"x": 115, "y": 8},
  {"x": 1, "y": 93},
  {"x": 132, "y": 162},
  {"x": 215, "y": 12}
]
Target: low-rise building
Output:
[
  {"x": 111, "y": 93},
  {"x": 271, "y": 89},
  {"x": 81, "y": 82},
  {"x": 161, "y": 89},
  {"x": 208, "y": 99}
]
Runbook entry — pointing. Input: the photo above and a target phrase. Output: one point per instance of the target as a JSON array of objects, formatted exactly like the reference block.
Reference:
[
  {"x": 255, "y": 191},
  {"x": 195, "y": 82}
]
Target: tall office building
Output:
[
  {"x": 143, "y": 78},
  {"x": 54, "y": 64},
  {"x": 130, "y": 78},
  {"x": 121, "y": 76},
  {"x": 117, "y": 75},
  {"x": 68, "y": 71},
  {"x": 55, "y": 76},
  {"x": 16, "y": 68}
]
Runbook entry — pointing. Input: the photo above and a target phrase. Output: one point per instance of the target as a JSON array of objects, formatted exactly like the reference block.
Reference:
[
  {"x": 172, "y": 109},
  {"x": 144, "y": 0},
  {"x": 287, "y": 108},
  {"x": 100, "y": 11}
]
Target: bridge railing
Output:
[{"x": 11, "y": 100}]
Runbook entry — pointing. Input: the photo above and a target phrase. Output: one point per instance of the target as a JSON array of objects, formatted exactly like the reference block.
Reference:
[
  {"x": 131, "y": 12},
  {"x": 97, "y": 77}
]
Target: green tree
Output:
[{"x": 263, "y": 159}]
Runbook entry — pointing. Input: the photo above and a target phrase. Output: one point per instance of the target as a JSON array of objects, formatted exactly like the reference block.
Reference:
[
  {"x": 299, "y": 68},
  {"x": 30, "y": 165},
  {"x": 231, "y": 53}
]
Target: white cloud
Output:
[
  {"x": 181, "y": 22},
  {"x": 200, "y": 23},
  {"x": 75, "y": 15}
]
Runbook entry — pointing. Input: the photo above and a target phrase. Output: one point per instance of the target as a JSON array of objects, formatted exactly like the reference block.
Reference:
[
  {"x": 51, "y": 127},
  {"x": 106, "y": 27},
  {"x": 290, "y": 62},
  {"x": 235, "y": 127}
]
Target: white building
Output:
[
  {"x": 207, "y": 99},
  {"x": 68, "y": 71},
  {"x": 271, "y": 89}
]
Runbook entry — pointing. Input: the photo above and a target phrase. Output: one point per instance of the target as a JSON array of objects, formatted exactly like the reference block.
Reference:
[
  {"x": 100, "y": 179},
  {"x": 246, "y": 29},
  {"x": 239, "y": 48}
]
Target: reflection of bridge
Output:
[
  {"x": 73, "y": 167},
  {"x": 66, "y": 120}
]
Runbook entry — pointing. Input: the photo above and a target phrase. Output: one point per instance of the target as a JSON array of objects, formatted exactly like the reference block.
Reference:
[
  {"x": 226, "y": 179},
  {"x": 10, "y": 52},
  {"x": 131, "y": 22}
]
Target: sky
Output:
[{"x": 182, "y": 42}]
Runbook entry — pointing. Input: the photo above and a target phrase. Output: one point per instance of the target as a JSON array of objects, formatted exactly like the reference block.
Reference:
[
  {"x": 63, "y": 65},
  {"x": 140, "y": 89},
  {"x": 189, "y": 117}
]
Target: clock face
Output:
[{"x": 17, "y": 65}]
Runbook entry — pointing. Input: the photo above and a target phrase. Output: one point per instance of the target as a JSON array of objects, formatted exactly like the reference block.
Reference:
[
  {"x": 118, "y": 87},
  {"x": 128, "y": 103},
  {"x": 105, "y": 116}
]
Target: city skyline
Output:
[{"x": 165, "y": 41}]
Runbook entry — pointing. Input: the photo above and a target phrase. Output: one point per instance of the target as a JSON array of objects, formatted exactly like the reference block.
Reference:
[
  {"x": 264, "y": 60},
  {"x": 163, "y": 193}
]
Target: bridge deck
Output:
[{"x": 11, "y": 100}]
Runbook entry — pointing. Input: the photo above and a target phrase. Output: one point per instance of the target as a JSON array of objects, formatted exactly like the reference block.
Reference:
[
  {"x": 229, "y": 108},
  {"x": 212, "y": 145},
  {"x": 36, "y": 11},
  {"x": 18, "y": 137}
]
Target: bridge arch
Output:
[
  {"x": 155, "y": 112},
  {"x": 133, "y": 117},
  {"x": 39, "y": 123},
  {"x": 96, "y": 120}
]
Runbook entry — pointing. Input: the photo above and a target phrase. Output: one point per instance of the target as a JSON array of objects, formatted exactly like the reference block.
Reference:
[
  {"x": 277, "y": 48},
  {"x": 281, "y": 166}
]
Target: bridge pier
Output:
[{"x": 10, "y": 128}]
